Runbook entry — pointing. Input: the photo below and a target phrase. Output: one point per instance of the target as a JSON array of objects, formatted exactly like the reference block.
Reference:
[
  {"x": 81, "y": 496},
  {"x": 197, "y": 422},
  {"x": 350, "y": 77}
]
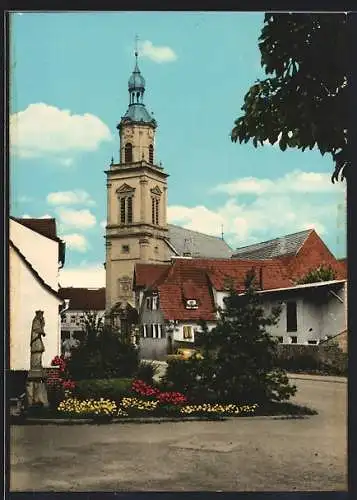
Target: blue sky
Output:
[{"x": 69, "y": 76}]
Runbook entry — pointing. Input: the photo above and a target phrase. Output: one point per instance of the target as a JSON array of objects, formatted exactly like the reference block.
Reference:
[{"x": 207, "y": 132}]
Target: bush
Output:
[
  {"x": 103, "y": 354},
  {"x": 325, "y": 359},
  {"x": 146, "y": 371},
  {"x": 113, "y": 389}
]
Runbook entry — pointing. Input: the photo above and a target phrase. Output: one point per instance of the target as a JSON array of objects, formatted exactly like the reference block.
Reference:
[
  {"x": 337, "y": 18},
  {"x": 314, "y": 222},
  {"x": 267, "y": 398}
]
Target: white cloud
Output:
[
  {"x": 81, "y": 219},
  {"x": 292, "y": 182},
  {"x": 103, "y": 224},
  {"x": 277, "y": 207},
  {"x": 76, "y": 242},
  {"x": 91, "y": 276},
  {"x": 27, "y": 216},
  {"x": 42, "y": 129},
  {"x": 158, "y": 54},
  {"x": 75, "y": 197}
]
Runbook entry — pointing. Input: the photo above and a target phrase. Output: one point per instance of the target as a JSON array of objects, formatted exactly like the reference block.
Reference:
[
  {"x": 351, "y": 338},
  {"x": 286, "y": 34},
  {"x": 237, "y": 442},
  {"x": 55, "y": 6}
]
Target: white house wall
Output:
[
  {"x": 41, "y": 252},
  {"x": 314, "y": 321},
  {"x": 178, "y": 330},
  {"x": 26, "y": 296}
]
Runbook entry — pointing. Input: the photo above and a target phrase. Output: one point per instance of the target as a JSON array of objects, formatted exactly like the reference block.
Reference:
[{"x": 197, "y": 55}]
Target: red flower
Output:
[{"x": 174, "y": 398}]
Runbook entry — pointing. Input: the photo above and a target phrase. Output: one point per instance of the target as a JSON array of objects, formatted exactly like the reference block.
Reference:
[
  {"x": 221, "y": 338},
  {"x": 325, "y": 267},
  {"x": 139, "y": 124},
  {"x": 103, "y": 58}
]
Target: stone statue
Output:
[
  {"x": 37, "y": 346},
  {"x": 36, "y": 390}
]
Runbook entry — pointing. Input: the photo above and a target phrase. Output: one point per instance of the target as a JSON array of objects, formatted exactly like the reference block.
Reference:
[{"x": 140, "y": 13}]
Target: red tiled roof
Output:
[
  {"x": 46, "y": 227},
  {"x": 147, "y": 274},
  {"x": 84, "y": 299}
]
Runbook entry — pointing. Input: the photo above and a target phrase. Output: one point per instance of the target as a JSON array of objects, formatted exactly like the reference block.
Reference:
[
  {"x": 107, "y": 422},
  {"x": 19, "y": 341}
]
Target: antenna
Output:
[{"x": 222, "y": 233}]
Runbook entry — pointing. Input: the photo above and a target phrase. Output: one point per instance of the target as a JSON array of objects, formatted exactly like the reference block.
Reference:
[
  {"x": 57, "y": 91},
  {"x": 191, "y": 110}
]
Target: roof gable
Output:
[
  {"x": 46, "y": 227},
  {"x": 287, "y": 245},
  {"x": 125, "y": 188}
]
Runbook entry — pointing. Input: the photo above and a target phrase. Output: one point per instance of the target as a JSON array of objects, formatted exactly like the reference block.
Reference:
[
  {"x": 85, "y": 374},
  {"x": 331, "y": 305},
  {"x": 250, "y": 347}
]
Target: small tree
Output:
[
  {"x": 239, "y": 357},
  {"x": 246, "y": 357},
  {"x": 321, "y": 273}
]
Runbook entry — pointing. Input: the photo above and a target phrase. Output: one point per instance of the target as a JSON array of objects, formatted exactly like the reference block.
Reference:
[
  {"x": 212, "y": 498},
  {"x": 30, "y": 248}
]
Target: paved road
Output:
[{"x": 248, "y": 454}]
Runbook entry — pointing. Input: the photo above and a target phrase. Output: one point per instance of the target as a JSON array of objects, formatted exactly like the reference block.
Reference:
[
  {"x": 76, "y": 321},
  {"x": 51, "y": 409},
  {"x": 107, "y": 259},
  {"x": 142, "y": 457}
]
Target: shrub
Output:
[
  {"x": 323, "y": 358},
  {"x": 102, "y": 354},
  {"x": 113, "y": 389},
  {"x": 146, "y": 371}
]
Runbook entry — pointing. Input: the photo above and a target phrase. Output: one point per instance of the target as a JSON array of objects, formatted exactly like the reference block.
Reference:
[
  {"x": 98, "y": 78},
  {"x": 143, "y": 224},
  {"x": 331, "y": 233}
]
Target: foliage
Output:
[
  {"x": 103, "y": 353},
  {"x": 326, "y": 359},
  {"x": 238, "y": 361},
  {"x": 114, "y": 389},
  {"x": 304, "y": 101},
  {"x": 320, "y": 273},
  {"x": 146, "y": 371}
]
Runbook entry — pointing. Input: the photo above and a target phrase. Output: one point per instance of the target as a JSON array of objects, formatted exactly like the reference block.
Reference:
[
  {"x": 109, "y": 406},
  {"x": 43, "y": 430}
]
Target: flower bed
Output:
[{"x": 147, "y": 401}]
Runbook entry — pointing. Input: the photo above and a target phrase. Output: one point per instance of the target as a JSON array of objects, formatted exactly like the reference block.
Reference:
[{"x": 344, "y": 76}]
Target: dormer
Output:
[{"x": 191, "y": 304}]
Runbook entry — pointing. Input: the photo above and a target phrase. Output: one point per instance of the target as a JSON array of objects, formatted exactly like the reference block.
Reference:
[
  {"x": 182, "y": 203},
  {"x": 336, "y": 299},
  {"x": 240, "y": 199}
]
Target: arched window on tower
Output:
[
  {"x": 151, "y": 154},
  {"x": 128, "y": 152}
]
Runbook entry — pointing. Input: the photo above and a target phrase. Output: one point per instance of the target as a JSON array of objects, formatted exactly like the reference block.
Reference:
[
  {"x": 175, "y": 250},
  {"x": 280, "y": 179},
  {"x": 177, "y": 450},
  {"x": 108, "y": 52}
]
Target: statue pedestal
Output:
[{"x": 36, "y": 390}]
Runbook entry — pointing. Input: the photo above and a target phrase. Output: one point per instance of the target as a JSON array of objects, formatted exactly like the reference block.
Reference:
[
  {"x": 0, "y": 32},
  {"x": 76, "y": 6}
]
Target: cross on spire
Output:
[{"x": 136, "y": 47}]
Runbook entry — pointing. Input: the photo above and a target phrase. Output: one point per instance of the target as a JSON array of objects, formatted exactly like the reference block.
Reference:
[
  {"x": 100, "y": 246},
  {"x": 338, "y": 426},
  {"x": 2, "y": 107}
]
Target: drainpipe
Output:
[{"x": 63, "y": 310}]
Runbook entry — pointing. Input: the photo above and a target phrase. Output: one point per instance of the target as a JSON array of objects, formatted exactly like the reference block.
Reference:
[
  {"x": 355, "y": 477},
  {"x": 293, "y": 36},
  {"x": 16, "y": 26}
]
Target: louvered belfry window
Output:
[{"x": 126, "y": 210}]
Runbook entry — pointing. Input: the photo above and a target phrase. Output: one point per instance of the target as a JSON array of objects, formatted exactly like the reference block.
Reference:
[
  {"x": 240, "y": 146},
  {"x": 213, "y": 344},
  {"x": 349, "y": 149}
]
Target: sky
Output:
[{"x": 68, "y": 91}]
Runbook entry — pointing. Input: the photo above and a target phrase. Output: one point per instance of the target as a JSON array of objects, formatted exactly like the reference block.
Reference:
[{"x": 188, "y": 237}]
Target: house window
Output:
[
  {"x": 65, "y": 335},
  {"x": 155, "y": 302},
  {"x": 73, "y": 318},
  {"x": 149, "y": 332},
  {"x": 312, "y": 342},
  {"x": 280, "y": 340},
  {"x": 125, "y": 249},
  {"x": 151, "y": 154},
  {"x": 291, "y": 317},
  {"x": 128, "y": 152},
  {"x": 187, "y": 332},
  {"x": 126, "y": 210},
  {"x": 148, "y": 303},
  {"x": 144, "y": 331},
  {"x": 293, "y": 339},
  {"x": 155, "y": 211}
]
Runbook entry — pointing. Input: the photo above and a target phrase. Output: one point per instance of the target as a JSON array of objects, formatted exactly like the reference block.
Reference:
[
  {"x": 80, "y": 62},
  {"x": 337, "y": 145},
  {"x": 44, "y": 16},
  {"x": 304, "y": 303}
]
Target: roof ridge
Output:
[
  {"x": 200, "y": 232},
  {"x": 275, "y": 239}
]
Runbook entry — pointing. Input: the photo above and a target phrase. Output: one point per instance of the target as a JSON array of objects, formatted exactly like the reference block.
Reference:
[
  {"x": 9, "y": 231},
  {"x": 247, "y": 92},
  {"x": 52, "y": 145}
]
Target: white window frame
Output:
[
  {"x": 144, "y": 332},
  {"x": 190, "y": 329}
]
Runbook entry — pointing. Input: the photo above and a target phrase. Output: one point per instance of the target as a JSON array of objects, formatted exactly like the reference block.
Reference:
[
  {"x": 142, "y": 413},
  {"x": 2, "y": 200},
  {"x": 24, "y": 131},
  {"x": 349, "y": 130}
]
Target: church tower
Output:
[{"x": 136, "y": 228}]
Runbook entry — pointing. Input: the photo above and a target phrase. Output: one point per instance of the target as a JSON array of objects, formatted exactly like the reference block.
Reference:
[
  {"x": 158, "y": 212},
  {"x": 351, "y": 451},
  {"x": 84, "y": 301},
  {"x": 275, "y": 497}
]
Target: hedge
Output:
[
  {"x": 323, "y": 358},
  {"x": 114, "y": 389}
]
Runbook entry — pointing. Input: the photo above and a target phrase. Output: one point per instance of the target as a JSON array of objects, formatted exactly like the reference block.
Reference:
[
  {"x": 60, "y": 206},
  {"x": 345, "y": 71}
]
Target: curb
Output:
[
  {"x": 318, "y": 378},
  {"x": 153, "y": 420}
]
